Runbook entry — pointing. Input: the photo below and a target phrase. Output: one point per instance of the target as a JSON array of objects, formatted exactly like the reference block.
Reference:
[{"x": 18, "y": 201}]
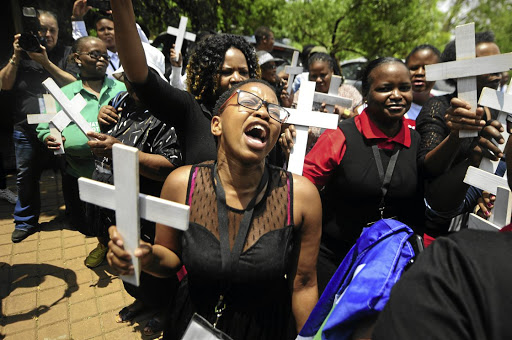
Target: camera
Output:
[
  {"x": 30, "y": 40},
  {"x": 102, "y": 5}
]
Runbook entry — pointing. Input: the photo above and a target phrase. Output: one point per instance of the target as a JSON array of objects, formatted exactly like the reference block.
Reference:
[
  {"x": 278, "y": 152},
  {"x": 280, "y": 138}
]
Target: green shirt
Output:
[{"x": 79, "y": 158}]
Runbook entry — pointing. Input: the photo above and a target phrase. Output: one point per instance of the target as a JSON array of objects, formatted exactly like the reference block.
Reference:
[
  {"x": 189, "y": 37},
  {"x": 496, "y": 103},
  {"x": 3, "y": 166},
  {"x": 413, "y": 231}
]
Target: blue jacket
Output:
[{"x": 361, "y": 286}]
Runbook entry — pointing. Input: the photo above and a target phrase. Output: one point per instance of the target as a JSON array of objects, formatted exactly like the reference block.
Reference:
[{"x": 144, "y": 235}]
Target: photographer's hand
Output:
[
  {"x": 60, "y": 76},
  {"x": 17, "y": 47},
  {"x": 40, "y": 57},
  {"x": 8, "y": 73}
]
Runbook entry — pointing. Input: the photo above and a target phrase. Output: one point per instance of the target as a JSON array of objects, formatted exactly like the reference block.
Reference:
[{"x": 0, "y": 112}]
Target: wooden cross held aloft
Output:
[
  {"x": 57, "y": 121},
  {"x": 129, "y": 204},
  {"x": 331, "y": 98},
  {"x": 502, "y": 205},
  {"x": 72, "y": 110},
  {"x": 303, "y": 118},
  {"x": 467, "y": 67},
  {"x": 502, "y": 102},
  {"x": 293, "y": 70},
  {"x": 180, "y": 33}
]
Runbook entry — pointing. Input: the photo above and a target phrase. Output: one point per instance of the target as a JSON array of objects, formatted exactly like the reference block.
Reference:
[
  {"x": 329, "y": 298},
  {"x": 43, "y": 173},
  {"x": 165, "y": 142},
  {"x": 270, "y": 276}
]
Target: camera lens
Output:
[{"x": 29, "y": 42}]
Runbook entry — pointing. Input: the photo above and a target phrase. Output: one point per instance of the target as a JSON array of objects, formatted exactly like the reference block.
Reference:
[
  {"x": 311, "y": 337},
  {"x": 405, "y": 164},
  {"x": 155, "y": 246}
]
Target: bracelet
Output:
[{"x": 13, "y": 62}]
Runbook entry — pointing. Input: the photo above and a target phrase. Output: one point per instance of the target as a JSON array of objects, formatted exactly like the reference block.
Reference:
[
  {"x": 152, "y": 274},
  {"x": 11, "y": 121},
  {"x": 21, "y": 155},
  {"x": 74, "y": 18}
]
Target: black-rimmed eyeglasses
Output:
[
  {"x": 97, "y": 55},
  {"x": 251, "y": 101}
]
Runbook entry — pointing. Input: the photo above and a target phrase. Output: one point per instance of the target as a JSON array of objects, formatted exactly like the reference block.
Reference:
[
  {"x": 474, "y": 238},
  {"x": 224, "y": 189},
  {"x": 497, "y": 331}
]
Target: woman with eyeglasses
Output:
[
  {"x": 218, "y": 62},
  {"x": 252, "y": 243},
  {"x": 90, "y": 55}
]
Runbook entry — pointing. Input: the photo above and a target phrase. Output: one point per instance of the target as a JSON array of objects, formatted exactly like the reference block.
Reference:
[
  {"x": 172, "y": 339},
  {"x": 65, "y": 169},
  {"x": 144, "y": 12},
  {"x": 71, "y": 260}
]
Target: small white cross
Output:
[
  {"x": 70, "y": 109},
  {"x": 502, "y": 102},
  {"x": 180, "y": 33},
  {"x": 467, "y": 67},
  {"x": 129, "y": 204},
  {"x": 293, "y": 70},
  {"x": 57, "y": 121},
  {"x": 303, "y": 117},
  {"x": 495, "y": 185},
  {"x": 331, "y": 98}
]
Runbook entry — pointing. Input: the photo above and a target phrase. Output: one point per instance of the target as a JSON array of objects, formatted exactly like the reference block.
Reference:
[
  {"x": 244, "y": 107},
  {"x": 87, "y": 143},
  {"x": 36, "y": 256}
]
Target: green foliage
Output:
[
  {"x": 494, "y": 15},
  {"x": 368, "y": 28},
  {"x": 347, "y": 28}
]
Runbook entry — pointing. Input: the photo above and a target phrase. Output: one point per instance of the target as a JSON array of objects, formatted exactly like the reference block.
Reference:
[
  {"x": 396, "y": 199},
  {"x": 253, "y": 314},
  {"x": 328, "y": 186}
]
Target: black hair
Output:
[
  {"x": 304, "y": 55},
  {"x": 206, "y": 62},
  {"x": 367, "y": 81},
  {"x": 46, "y": 12},
  {"x": 450, "y": 54},
  {"x": 320, "y": 56},
  {"x": 423, "y": 47},
  {"x": 223, "y": 97},
  {"x": 101, "y": 18},
  {"x": 261, "y": 33}
]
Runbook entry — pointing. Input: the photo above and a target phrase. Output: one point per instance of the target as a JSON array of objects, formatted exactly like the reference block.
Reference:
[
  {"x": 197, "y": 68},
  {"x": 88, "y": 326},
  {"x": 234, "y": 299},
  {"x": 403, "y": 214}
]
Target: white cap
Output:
[
  {"x": 265, "y": 57},
  {"x": 154, "y": 58}
]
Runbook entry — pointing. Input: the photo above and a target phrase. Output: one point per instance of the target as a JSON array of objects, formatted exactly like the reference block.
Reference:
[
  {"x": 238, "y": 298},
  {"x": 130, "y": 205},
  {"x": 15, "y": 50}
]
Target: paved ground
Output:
[{"x": 46, "y": 291}]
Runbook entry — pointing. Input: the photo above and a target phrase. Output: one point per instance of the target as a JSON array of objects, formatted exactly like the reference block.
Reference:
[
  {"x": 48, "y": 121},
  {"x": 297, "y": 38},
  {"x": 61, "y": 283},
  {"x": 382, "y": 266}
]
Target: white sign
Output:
[
  {"x": 180, "y": 33},
  {"x": 130, "y": 205},
  {"x": 303, "y": 117}
]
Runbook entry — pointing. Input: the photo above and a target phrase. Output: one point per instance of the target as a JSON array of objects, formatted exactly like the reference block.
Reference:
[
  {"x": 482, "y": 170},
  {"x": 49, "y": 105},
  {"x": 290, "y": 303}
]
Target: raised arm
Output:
[
  {"x": 128, "y": 44},
  {"x": 307, "y": 209}
]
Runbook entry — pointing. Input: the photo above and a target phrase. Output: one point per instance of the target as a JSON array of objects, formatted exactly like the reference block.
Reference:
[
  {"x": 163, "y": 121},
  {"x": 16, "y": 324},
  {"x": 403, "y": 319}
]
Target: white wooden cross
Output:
[
  {"x": 57, "y": 121},
  {"x": 71, "y": 109},
  {"x": 331, "y": 98},
  {"x": 303, "y": 118},
  {"x": 180, "y": 33},
  {"x": 129, "y": 204},
  {"x": 293, "y": 70},
  {"x": 502, "y": 102},
  {"x": 498, "y": 186},
  {"x": 467, "y": 67}
]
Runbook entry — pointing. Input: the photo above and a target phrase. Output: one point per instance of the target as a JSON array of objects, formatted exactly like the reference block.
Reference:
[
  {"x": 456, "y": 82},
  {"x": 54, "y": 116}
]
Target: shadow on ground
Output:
[{"x": 32, "y": 275}]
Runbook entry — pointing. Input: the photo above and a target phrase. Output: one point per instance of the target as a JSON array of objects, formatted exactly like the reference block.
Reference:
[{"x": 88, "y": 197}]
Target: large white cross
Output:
[
  {"x": 180, "y": 33},
  {"x": 495, "y": 185},
  {"x": 331, "y": 98},
  {"x": 293, "y": 70},
  {"x": 57, "y": 121},
  {"x": 502, "y": 102},
  {"x": 303, "y": 117},
  {"x": 129, "y": 204},
  {"x": 72, "y": 110},
  {"x": 467, "y": 67}
]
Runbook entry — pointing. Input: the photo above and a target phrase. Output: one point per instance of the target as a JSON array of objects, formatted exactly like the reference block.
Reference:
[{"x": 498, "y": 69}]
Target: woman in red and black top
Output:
[
  {"x": 371, "y": 167},
  {"x": 346, "y": 162}
]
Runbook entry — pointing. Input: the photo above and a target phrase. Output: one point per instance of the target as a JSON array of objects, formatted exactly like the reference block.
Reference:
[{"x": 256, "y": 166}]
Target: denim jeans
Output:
[{"x": 29, "y": 166}]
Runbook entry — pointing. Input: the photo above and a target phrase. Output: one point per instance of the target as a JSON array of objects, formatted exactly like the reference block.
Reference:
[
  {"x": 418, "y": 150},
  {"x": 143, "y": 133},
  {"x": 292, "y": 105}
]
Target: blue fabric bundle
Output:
[{"x": 361, "y": 286}]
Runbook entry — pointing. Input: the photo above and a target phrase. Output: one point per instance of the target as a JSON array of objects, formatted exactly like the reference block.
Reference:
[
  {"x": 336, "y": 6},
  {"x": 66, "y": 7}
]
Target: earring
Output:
[{"x": 79, "y": 64}]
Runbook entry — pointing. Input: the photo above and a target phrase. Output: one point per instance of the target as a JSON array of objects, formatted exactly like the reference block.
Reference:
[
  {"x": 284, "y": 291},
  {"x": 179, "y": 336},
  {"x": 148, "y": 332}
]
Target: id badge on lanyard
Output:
[{"x": 200, "y": 329}]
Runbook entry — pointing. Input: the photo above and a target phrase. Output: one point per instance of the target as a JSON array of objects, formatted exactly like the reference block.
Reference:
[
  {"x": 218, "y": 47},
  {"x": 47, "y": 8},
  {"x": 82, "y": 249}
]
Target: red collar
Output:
[{"x": 370, "y": 131}]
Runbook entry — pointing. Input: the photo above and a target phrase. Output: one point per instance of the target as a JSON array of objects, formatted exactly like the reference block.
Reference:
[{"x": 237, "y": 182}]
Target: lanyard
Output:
[
  {"x": 385, "y": 179},
  {"x": 230, "y": 258}
]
